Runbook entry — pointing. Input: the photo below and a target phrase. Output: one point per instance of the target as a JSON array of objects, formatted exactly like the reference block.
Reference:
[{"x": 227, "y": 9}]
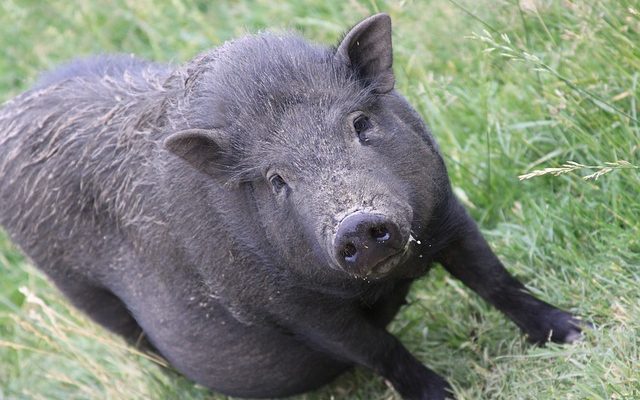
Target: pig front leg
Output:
[
  {"x": 346, "y": 334},
  {"x": 470, "y": 260}
]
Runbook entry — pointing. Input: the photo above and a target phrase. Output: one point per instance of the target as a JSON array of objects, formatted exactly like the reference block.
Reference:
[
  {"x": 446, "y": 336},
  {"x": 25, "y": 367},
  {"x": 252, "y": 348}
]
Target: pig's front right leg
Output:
[{"x": 346, "y": 334}]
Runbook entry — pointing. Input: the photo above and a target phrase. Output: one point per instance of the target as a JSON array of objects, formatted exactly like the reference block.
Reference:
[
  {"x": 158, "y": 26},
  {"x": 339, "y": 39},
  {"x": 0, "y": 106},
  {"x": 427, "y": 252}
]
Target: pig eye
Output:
[
  {"x": 277, "y": 182},
  {"x": 361, "y": 125}
]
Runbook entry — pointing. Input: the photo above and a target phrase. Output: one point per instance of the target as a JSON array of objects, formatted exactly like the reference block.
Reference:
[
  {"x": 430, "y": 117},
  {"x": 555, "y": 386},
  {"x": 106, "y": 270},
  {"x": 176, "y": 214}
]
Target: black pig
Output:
[{"x": 259, "y": 213}]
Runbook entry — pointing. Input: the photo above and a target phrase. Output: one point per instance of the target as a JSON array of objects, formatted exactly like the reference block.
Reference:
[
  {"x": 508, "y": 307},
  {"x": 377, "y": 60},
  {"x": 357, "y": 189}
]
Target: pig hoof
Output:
[
  {"x": 575, "y": 334},
  {"x": 436, "y": 388},
  {"x": 572, "y": 337},
  {"x": 559, "y": 327}
]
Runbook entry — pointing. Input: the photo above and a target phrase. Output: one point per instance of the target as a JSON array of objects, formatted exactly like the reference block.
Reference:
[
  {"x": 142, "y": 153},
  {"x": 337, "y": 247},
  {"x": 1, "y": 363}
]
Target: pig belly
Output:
[{"x": 211, "y": 347}]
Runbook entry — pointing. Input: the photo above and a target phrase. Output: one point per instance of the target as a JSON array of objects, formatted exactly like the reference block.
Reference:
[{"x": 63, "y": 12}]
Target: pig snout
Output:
[{"x": 366, "y": 240}]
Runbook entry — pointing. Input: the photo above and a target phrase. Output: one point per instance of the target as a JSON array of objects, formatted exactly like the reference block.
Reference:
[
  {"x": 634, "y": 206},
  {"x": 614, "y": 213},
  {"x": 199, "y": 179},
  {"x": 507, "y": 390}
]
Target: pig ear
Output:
[
  {"x": 204, "y": 149},
  {"x": 367, "y": 48}
]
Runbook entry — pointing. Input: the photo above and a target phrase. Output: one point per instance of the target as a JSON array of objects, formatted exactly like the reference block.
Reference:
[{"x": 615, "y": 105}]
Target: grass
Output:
[{"x": 508, "y": 87}]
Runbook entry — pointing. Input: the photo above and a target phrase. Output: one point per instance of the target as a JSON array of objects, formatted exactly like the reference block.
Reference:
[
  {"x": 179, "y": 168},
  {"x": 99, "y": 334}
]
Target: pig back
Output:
[{"x": 76, "y": 154}]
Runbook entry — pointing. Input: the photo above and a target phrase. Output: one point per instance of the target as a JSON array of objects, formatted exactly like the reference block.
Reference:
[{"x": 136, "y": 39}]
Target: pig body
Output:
[{"x": 256, "y": 216}]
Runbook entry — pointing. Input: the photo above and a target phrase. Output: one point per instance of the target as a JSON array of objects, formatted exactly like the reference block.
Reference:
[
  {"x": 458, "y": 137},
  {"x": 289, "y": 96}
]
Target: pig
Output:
[{"x": 256, "y": 215}]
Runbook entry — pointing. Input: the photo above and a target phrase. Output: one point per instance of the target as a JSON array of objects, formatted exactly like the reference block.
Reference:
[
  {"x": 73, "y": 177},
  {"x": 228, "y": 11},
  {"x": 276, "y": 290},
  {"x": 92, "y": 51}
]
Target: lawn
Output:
[{"x": 508, "y": 87}]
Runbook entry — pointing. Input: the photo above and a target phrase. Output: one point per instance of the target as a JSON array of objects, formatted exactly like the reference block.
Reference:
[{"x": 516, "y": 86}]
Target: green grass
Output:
[{"x": 506, "y": 89}]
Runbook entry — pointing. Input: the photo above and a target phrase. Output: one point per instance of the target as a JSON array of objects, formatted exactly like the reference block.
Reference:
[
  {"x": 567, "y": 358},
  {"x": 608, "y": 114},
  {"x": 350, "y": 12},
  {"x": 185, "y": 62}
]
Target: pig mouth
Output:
[{"x": 386, "y": 266}]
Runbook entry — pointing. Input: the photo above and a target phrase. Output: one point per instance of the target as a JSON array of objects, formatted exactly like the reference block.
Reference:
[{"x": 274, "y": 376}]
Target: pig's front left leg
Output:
[
  {"x": 470, "y": 259},
  {"x": 347, "y": 335}
]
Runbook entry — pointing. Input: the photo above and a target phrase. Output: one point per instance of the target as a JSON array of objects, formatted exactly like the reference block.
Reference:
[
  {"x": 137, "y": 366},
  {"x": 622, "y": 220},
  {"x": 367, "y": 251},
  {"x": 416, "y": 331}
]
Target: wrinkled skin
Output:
[{"x": 256, "y": 216}]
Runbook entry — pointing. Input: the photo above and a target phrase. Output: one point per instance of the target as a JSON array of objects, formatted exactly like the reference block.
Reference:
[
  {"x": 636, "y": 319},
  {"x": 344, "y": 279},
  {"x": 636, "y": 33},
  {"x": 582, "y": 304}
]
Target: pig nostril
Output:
[
  {"x": 380, "y": 233},
  {"x": 349, "y": 252}
]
